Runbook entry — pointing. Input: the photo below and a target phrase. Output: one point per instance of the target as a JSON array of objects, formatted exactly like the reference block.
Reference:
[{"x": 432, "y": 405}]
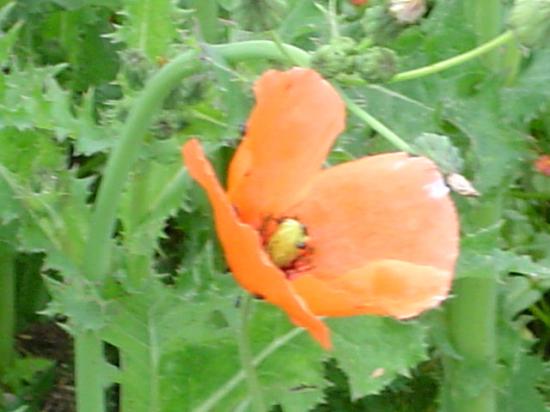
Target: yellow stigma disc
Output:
[{"x": 287, "y": 242}]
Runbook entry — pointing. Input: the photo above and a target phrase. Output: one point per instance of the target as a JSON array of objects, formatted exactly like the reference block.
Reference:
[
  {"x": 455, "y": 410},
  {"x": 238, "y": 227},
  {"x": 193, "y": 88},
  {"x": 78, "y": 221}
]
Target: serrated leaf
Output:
[
  {"x": 78, "y": 301},
  {"x": 406, "y": 116},
  {"x": 372, "y": 351},
  {"x": 150, "y": 26},
  {"x": 287, "y": 361},
  {"x": 530, "y": 93},
  {"x": 498, "y": 150},
  {"x": 7, "y": 41},
  {"x": 522, "y": 395},
  {"x": 32, "y": 98}
]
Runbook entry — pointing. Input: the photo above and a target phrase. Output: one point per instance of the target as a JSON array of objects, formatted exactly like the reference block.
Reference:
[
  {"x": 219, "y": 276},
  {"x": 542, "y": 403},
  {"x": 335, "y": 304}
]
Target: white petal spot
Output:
[{"x": 437, "y": 189}]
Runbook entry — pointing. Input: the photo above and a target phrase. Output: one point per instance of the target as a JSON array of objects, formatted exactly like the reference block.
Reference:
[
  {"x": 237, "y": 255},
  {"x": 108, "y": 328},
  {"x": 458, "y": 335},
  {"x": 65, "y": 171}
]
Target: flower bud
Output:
[
  {"x": 376, "y": 64},
  {"x": 530, "y": 19},
  {"x": 336, "y": 58}
]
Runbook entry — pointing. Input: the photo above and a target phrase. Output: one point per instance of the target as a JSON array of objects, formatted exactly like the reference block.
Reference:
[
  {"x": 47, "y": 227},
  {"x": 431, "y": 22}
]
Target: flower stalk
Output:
[
  {"x": 247, "y": 360},
  {"x": 481, "y": 50}
]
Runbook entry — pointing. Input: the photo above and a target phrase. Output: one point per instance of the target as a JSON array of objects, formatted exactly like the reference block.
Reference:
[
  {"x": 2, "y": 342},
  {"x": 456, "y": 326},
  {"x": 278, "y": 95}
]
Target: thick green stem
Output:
[
  {"x": 96, "y": 261},
  {"x": 264, "y": 49},
  {"x": 89, "y": 372},
  {"x": 206, "y": 12},
  {"x": 247, "y": 361},
  {"x": 485, "y": 18},
  {"x": 501, "y": 40},
  {"x": 471, "y": 326},
  {"x": 471, "y": 323},
  {"x": 89, "y": 354},
  {"x": 7, "y": 303}
]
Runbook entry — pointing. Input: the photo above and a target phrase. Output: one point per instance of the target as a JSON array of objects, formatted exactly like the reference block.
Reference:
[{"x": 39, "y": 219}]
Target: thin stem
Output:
[
  {"x": 247, "y": 359},
  {"x": 384, "y": 131},
  {"x": 89, "y": 367},
  {"x": 232, "y": 383},
  {"x": 7, "y": 301},
  {"x": 501, "y": 40},
  {"x": 332, "y": 18}
]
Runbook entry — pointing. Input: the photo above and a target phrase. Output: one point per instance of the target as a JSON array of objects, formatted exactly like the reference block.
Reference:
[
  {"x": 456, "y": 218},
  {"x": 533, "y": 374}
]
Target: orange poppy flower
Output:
[{"x": 378, "y": 235}]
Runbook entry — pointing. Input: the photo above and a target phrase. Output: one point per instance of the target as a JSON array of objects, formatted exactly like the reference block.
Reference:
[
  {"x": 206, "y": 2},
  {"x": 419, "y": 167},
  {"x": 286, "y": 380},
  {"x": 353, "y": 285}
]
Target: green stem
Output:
[
  {"x": 89, "y": 368},
  {"x": 264, "y": 49},
  {"x": 501, "y": 40},
  {"x": 207, "y": 16},
  {"x": 486, "y": 20},
  {"x": 245, "y": 351},
  {"x": 96, "y": 261},
  {"x": 471, "y": 326},
  {"x": 384, "y": 131},
  {"x": 333, "y": 19},
  {"x": 281, "y": 46},
  {"x": 7, "y": 301},
  {"x": 89, "y": 385},
  {"x": 138, "y": 264},
  {"x": 231, "y": 384},
  {"x": 471, "y": 323}
]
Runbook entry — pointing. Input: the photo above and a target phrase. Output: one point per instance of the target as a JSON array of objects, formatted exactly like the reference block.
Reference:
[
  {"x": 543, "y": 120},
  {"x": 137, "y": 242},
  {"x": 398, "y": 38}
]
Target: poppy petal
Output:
[
  {"x": 382, "y": 207},
  {"x": 243, "y": 250},
  {"x": 291, "y": 129},
  {"x": 385, "y": 287}
]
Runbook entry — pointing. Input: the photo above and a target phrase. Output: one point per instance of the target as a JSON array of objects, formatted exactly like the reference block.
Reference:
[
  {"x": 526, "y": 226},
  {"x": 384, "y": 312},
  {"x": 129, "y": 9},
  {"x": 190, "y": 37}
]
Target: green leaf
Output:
[
  {"x": 288, "y": 364},
  {"x": 24, "y": 370},
  {"x": 372, "y": 351},
  {"x": 33, "y": 98},
  {"x": 521, "y": 394},
  {"x": 440, "y": 149},
  {"x": 7, "y": 41},
  {"x": 530, "y": 94},
  {"x": 150, "y": 26}
]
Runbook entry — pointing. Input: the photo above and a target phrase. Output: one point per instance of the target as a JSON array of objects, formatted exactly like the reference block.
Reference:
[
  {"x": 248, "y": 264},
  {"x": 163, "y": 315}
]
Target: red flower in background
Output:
[
  {"x": 542, "y": 164},
  {"x": 378, "y": 235}
]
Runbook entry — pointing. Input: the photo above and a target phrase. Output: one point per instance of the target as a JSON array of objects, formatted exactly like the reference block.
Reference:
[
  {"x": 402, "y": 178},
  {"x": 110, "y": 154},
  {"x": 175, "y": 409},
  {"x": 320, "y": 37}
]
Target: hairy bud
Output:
[{"x": 530, "y": 19}]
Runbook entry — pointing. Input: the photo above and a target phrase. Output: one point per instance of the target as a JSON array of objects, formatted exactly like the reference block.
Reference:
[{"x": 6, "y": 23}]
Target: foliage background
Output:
[{"x": 168, "y": 310}]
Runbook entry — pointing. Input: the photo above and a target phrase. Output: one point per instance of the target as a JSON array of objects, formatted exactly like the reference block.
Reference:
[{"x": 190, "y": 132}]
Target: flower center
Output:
[{"x": 287, "y": 242}]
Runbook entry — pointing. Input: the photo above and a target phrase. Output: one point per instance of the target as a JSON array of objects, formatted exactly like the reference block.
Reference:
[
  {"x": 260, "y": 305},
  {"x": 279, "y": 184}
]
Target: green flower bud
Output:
[
  {"x": 336, "y": 58},
  {"x": 376, "y": 64},
  {"x": 530, "y": 19}
]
